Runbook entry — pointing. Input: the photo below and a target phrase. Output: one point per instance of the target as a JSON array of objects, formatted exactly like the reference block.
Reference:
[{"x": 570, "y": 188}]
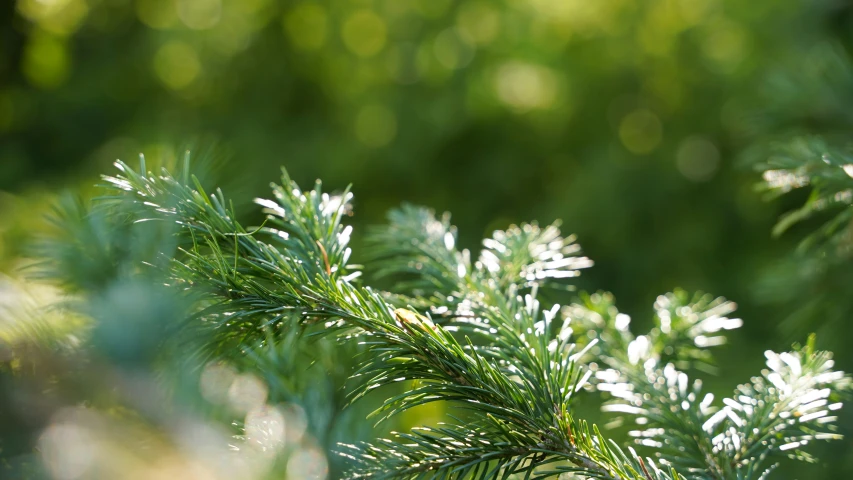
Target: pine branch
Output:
[
  {"x": 421, "y": 250},
  {"x": 813, "y": 162},
  {"x": 477, "y": 452},
  {"x": 523, "y": 257},
  {"x": 307, "y": 275},
  {"x": 250, "y": 282},
  {"x": 777, "y": 413},
  {"x": 497, "y": 354},
  {"x": 685, "y": 326},
  {"x": 94, "y": 244},
  {"x": 807, "y": 284}
]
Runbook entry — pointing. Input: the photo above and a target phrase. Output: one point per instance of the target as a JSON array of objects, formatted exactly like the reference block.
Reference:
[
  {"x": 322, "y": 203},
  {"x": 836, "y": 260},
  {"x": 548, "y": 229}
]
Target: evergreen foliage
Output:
[
  {"x": 804, "y": 156},
  {"x": 813, "y": 162},
  {"x": 475, "y": 333}
]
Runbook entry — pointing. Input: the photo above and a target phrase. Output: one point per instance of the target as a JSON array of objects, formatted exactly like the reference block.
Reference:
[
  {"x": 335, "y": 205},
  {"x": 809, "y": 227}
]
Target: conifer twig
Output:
[
  {"x": 507, "y": 363},
  {"x": 519, "y": 387}
]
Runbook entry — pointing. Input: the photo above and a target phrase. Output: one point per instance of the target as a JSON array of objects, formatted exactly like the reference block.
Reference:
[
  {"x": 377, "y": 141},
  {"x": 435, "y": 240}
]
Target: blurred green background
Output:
[{"x": 633, "y": 122}]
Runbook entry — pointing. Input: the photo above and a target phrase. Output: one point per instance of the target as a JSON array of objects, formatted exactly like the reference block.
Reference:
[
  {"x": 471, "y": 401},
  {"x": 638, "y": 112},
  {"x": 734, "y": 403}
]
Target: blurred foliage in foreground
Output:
[{"x": 622, "y": 118}]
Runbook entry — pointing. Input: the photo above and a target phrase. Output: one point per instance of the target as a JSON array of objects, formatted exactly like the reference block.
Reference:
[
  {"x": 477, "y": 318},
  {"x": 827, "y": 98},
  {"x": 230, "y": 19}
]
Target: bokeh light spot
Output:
[
  {"x": 556, "y": 10},
  {"x": 209, "y": 445},
  {"x": 431, "y": 8},
  {"x": 261, "y": 8},
  {"x": 524, "y": 87},
  {"x": 307, "y": 463},
  {"x": 215, "y": 381},
  {"x": 480, "y": 21},
  {"x": 159, "y": 14},
  {"x": 402, "y": 64},
  {"x": 231, "y": 37},
  {"x": 67, "y": 450},
  {"x": 375, "y": 125},
  {"x": 306, "y": 26},
  {"x": 725, "y": 45},
  {"x": 427, "y": 65},
  {"x": 694, "y": 11},
  {"x": 176, "y": 64},
  {"x": 296, "y": 421},
  {"x": 453, "y": 49},
  {"x": 200, "y": 14},
  {"x": 265, "y": 428},
  {"x": 46, "y": 61},
  {"x": 247, "y": 393},
  {"x": 364, "y": 33},
  {"x": 697, "y": 159},
  {"x": 60, "y": 17},
  {"x": 640, "y": 131}
]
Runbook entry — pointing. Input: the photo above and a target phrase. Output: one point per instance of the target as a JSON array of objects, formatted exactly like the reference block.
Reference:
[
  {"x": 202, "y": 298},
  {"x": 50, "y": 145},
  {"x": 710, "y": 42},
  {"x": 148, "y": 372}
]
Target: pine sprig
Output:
[
  {"x": 304, "y": 271},
  {"x": 527, "y": 255},
  {"x": 490, "y": 452},
  {"x": 419, "y": 251},
  {"x": 488, "y": 305},
  {"x": 807, "y": 284},
  {"x": 814, "y": 163},
  {"x": 777, "y": 413},
  {"x": 482, "y": 341},
  {"x": 685, "y": 326}
]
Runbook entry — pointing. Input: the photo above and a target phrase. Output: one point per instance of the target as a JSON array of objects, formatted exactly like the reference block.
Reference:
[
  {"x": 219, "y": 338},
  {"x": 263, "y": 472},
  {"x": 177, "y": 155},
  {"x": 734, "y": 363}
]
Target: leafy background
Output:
[{"x": 633, "y": 122}]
